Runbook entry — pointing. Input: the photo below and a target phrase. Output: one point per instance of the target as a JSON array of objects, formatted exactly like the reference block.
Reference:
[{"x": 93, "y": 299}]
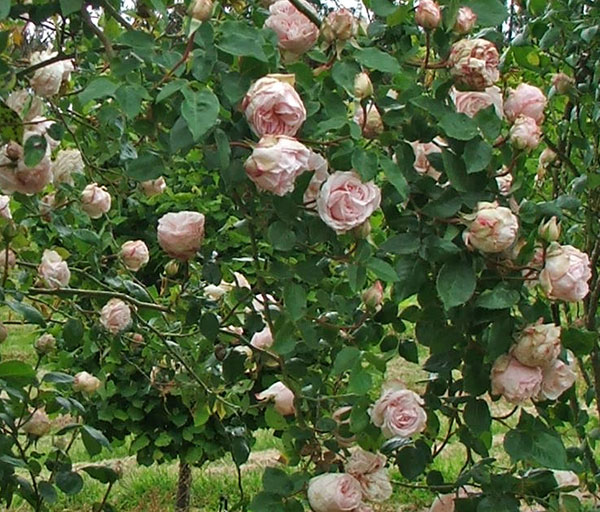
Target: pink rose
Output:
[
  {"x": 558, "y": 377},
  {"x": 201, "y": 10},
  {"x": 115, "y": 316},
  {"x": 38, "y": 424},
  {"x": 562, "y": 83},
  {"x": 262, "y": 339},
  {"x": 526, "y": 100},
  {"x": 15, "y": 176},
  {"x": 428, "y": 14},
  {"x": 282, "y": 397},
  {"x": 273, "y": 107},
  {"x": 153, "y": 187},
  {"x": 566, "y": 273},
  {"x": 465, "y": 21},
  {"x": 504, "y": 182},
  {"x": 181, "y": 234},
  {"x": 334, "y": 492},
  {"x": 373, "y": 296},
  {"x": 566, "y": 479},
  {"x": 134, "y": 254},
  {"x": 422, "y": 164},
  {"x": 86, "y": 383},
  {"x": 95, "y": 200},
  {"x": 373, "y": 126},
  {"x": 319, "y": 177},
  {"x": 46, "y": 81},
  {"x": 66, "y": 163},
  {"x": 399, "y": 412},
  {"x": 339, "y": 25},
  {"x": 515, "y": 381},
  {"x": 538, "y": 345},
  {"x": 345, "y": 202},
  {"x": 445, "y": 502},
  {"x": 295, "y": 32},
  {"x": 369, "y": 469},
  {"x": 276, "y": 162},
  {"x": 493, "y": 228},
  {"x": 53, "y": 270},
  {"x": 474, "y": 64},
  {"x": 471, "y": 102},
  {"x": 5, "y": 212}
]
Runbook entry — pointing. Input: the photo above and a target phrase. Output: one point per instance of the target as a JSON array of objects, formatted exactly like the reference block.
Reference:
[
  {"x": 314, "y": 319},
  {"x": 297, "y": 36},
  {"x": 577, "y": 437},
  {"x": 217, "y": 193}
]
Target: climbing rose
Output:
[
  {"x": 95, "y": 200},
  {"x": 465, "y": 21},
  {"x": 281, "y": 395},
  {"x": 566, "y": 273},
  {"x": 474, "y": 64},
  {"x": 525, "y": 134},
  {"x": 66, "y": 163},
  {"x": 134, "y": 254},
  {"x": 46, "y": 81},
  {"x": 295, "y": 32},
  {"x": 53, "y": 270},
  {"x": 115, "y": 316},
  {"x": 339, "y": 25},
  {"x": 558, "y": 377},
  {"x": 493, "y": 229},
  {"x": 428, "y": 14},
  {"x": 515, "y": 381},
  {"x": 538, "y": 345},
  {"x": 181, "y": 234},
  {"x": 526, "y": 100},
  {"x": 86, "y": 383},
  {"x": 334, "y": 492},
  {"x": 369, "y": 469},
  {"x": 471, "y": 102},
  {"x": 399, "y": 412}
]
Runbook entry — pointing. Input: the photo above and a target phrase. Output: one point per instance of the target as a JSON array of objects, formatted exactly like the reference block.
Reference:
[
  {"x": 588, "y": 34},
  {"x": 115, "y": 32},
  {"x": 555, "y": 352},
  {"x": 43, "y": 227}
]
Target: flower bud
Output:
[
  {"x": 525, "y": 134},
  {"x": 562, "y": 83},
  {"x": 172, "y": 268},
  {"x": 45, "y": 344},
  {"x": 115, "y": 316},
  {"x": 549, "y": 231},
  {"x": 465, "y": 21},
  {"x": 85, "y": 383},
  {"x": 95, "y": 200},
  {"x": 339, "y": 25},
  {"x": 137, "y": 338},
  {"x": 134, "y": 254},
  {"x": 373, "y": 297},
  {"x": 428, "y": 14},
  {"x": 38, "y": 424},
  {"x": 363, "y": 87},
  {"x": 3, "y": 333},
  {"x": 373, "y": 126},
  {"x": 201, "y": 10}
]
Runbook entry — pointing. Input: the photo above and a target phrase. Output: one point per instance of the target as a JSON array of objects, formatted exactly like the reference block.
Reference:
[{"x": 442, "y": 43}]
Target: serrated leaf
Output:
[
  {"x": 456, "y": 283},
  {"x": 200, "y": 111}
]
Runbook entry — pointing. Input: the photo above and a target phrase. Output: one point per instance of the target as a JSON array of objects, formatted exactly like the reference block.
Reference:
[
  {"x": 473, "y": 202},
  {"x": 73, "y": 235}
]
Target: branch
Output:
[
  {"x": 564, "y": 158},
  {"x": 116, "y": 15},
  {"x": 304, "y": 9},
  {"x": 44, "y": 63},
  {"x": 96, "y": 30}
]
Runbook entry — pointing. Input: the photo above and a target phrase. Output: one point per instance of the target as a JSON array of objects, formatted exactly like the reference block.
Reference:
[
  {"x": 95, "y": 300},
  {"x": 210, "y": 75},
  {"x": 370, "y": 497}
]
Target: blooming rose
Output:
[
  {"x": 86, "y": 383},
  {"x": 181, "y": 234},
  {"x": 558, "y": 377},
  {"x": 27, "y": 105},
  {"x": 422, "y": 164},
  {"x": 363, "y": 87},
  {"x": 428, "y": 14},
  {"x": 515, "y": 381},
  {"x": 538, "y": 345},
  {"x": 566, "y": 273},
  {"x": 296, "y": 34},
  {"x": 526, "y": 100},
  {"x": 334, "y": 492},
  {"x": 493, "y": 229},
  {"x": 273, "y": 107},
  {"x": 373, "y": 296},
  {"x": 282, "y": 396},
  {"x": 38, "y": 424},
  {"x": 345, "y": 202},
  {"x": 339, "y": 25},
  {"x": 115, "y": 316},
  {"x": 399, "y": 412},
  {"x": 276, "y": 162},
  {"x": 45, "y": 344},
  {"x": 474, "y": 64},
  {"x": 134, "y": 254},
  {"x": 465, "y": 21},
  {"x": 153, "y": 187},
  {"x": 369, "y": 469},
  {"x": 67, "y": 162},
  {"x": 262, "y": 339},
  {"x": 5, "y": 207},
  {"x": 471, "y": 102},
  {"x": 46, "y": 81},
  {"x": 373, "y": 126},
  {"x": 562, "y": 83},
  {"x": 201, "y": 10},
  {"x": 15, "y": 176},
  {"x": 504, "y": 182},
  {"x": 95, "y": 200},
  {"x": 53, "y": 270}
]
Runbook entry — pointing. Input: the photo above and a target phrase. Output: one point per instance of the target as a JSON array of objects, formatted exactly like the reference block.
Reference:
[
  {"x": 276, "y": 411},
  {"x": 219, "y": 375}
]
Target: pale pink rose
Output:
[
  {"x": 558, "y": 377},
  {"x": 504, "y": 183},
  {"x": 262, "y": 339},
  {"x": 373, "y": 296},
  {"x": 15, "y": 176},
  {"x": 319, "y": 177},
  {"x": 115, "y": 316},
  {"x": 27, "y": 105},
  {"x": 135, "y": 254},
  {"x": 276, "y": 162},
  {"x": 538, "y": 345},
  {"x": 566, "y": 273},
  {"x": 240, "y": 280},
  {"x": 273, "y": 107},
  {"x": 471, "y": 102},
  {"x": 334, "y": 492},
  {"x": 493, "y": 228},
  {"x": 37, "y": 424},
  {"x": 45, "y": 344},
  {"x": 46, "y": 81},
  {"x": 474, "y": 64},
  {"x": 399, "y": 412},
  {"x": 282, "y": 396},
  {"x": 181, "y": 234},
  {"x": 562, "y": 83},
  {"x": 66, "y": 163},
  {"x": 345, "y": 202},
  {"x": 53, "y": 270},
  {"x": 234, "y": 329},
  {"x": 465, "y": 21},
  {"x": 373, "y": 126},
  {"x": 5, "y": 212},
  {"x": 215, "y": 292},
  {"x": 85, "y": 383},
  {"x": 339, "y": 25},
  {"x": 422, "y": 164},
  {"x": 369, "y": 469},
  {"x": 428, "y": 14},
  {"x": 516, "y": 382},
  {"x": 153, "y": 187},
  {"x": 95, "y": 200},
  {"x": 11, "y": 257},
  {"x": 565, "y": 479},
  {"x": 295, "y": 32},
  {"x": 201, "y": 10},
  {"x": 363, "y": 87},
  {"x": 258, "y": 303},
  {"x": 526, "y": 100}
]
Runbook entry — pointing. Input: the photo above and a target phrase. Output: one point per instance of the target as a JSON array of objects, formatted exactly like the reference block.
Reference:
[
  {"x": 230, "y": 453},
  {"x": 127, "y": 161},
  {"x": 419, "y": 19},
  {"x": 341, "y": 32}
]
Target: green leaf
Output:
[
  {"x": 139, "y": 40},
  {"x": 69, "y": 482},
  {"x": 170, "y": 89},
  {"x": 209, "y": 325},
  {"x": 242, "y": 40},
  {"x": 93, "y": 440},
  {"x": 294, "y": 297},
  {"x": 458, "y": 126},
  {"x": 58, "y": 378},
  {"x": 277, "y": 481},
  {"x": 383, "y": 8},
  {"x": 274, "y": 420},
  {"x": 477, "y": 155},
  {"x": 490, "y": 13},
  {"x": 130, "y": 98},
  {"x": 200, "y": 111},
  {"x": 35, "y": 150},
  {"x": 223, "y": 149},
  {"x": 70, "y": 6},
  {"x": 103, "y": 474},
  {"x": 280, "y": 236},
  {"x": 96, "y": 89},
  {"x": 4, "y": 8},
  {"x": 343, "y": 74},
  {"x": 365, "y": 163},
  {"x": 373, "y": 58},
  {"x": 17, "y": 371},
  {"x": 499, "y": 297},
  {"x": 345, "y": 359},
  {"x": 412, "y": 460},
  {"x": 29, "y": 313},
  {"x": 240, "y": 450},
  {"x": 47, "y": 492},
  {"x": 11, "y": 125},
  {"x": 580, "y": 341},
  {"x": 405, "y": 243},
  {"x": 395, "y": 177},
  {"x": 489, "y": 123},
  {"x": 360, "y": 382},
  {"x": 382, "y": 270},
  {"x": 456, "y": 283},
  {"x": 357, "y": 277},
  {"x": 147, "y": 166},
  {"x": 477, "y": 416}
]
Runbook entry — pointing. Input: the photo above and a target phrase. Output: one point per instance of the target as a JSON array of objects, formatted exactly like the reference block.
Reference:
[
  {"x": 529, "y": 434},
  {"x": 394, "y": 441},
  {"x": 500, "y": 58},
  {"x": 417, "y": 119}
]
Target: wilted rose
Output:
[
  {"x": 95, "y": 200},
  {"x": 465, "y": 21},
  {"x": 471, "y": 102},
  {"x": 538, "y": 345},
  {"x": 566, "y": 273},
  {"x": 46, "y": 81},
  {"x": 262, "y": 339},
  {"x": 428, "y": 14},
  {"x": 281, "y": 395},
  {"x": 37, "y": 424},
  {"x": 295, "y": 32},
  {"x": 493, "y": 228},
  {"x": 504, "y": 181},
  {"x": 474, "y": 64},
  {"x": 66, "y": 163},
  {"x": 526, "y": 100},
  {"x": 558, "y": 377},
  {"x": 399, "y": 412},
  {"x": 53, "y": 270},
  {"x": 339, "y": 25},
  {"x": 369, "y": 469},
  {"x": 154, "y": 187},
  {"x": 115, "y": 316},
  {"x": 27, "y": 105},
  {"x": 334, "y": 492},
  {"x": 134, "y": 254},
  {"x": 85, "y": 382},
  {"x": 515, "y": 381},
  {"x": 181, "y": 234}
]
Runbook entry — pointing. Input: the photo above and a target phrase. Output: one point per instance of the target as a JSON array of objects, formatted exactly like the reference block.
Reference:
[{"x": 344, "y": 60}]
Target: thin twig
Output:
[
  {"x": 115, "y": 14},
  {"x": 96, "y": 30}
]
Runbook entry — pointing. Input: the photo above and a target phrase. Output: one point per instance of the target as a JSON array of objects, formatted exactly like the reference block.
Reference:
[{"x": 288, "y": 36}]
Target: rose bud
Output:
[
  {"x": 45, "y": 344},
  {"x": 373, "y": 297},
  {"x": 339, "y": 25},
  {"x": 465, "y": 21},
  {"x": 172, "y": 268},
  {"x": 334, "y": 492},
  {"x": 296, "y": 34},
  {"x": 516, "y": 382},
  {"x": 201, "y": 10},
  {"x": 153, "y": 187},
  {"x": 273, "y": 107},
  {"x": 549, "y": 231},
  {"x": 181, "y": 234},
  {"x": 46, "y": 81},
  {"x": 115, "y": 316},
  {"x": 85, "y": 383},
  {"x": 474, "y": 64},
  {"x": 471, "y": 102},
  {"x": 262, "y": 339},
  {"x": 493, "y": 229},
  {"x": 525, "y": 134},
  {"x": 345, "y": 202},
  {"x": 562, "y": 83},
  {"x": 95, "y": 200},
  {"x": 558, "y": 377},
  {"x": 38, "y": 424},
  {"x": 4, "y": 256},
  {"x": 526, "y": 100},
  {"x": 281, "y": 395},
  {"x": 363, "y": 87},
  {"x": 5, "y": 212},
  {"x": 134, "y": 254},
  {"x": 538, "y": 345},
  {"x": 66, "y": 163},
  {"x": 399, "y": 412},
  {"x": 428, "y": 14},
  {"x": 3, "y": 333},
  {"x": 373, "y": 126},
  {"x": 422, "y": 164},
  {"x": 369, "y": 469},
  {"x": 53, "y": 270},
  {"x": 566, "y": 273},
  {"x": 137, "y": 338}
]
